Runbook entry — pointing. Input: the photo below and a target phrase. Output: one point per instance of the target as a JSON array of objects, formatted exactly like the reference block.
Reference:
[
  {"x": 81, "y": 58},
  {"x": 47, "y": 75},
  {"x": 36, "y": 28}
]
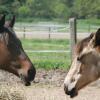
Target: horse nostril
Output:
[
  {"x": 66, "y": 90},
  {"x": 78, "y": 58},
  {"x": 72, "y": 93},
  {"x": 27, "y": 84},
  {"x": 31, "y": 74}
]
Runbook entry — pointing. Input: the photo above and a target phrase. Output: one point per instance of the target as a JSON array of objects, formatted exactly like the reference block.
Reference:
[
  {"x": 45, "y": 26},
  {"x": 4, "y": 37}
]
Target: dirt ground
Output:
[
  {"x": 47, "y": 35},
  {"x": 48, "y": 85}
]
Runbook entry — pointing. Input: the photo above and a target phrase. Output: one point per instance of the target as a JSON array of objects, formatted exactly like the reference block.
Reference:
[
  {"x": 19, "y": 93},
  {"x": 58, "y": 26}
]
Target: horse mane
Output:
[
  {"x": 7, "y": 34},
  {"x": 6, "y": 30},
  {"x": 83, "y": 43},
  {"x": 4, "y": 38}
]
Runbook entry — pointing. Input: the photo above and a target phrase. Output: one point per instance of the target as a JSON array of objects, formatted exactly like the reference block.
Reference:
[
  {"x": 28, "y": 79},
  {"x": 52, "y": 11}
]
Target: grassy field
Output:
[
  {"x": 88, "y": 25},
  {"x": 51, "y": 60},
  {"x": 55, "y": 60}
]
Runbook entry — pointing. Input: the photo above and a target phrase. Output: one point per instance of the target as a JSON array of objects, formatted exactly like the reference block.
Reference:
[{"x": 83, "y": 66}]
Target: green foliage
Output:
[
  {"x": 24, "y": 11},
  {"x": 51, "y": 9},
  {"x": 87, "y": 9},
  {"x": 3, "y": 10}
]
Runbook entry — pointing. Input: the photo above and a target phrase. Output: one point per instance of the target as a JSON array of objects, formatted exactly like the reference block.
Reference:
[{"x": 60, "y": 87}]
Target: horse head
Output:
[
  {"x": 12, "y": 55},
  {"x": 85, "y": 67}
]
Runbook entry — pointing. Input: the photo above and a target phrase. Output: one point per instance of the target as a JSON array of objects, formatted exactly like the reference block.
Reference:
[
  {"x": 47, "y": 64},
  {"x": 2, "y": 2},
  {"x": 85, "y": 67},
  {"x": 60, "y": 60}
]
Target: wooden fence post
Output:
[
  {"x": 24, "y": 33},
  {"x": 73, "y": 35},
  {"x": 49, "y": 32}
]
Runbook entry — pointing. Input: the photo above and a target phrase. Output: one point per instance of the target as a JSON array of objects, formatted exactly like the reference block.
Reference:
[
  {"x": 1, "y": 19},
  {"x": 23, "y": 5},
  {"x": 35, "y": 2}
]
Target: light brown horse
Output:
[
  {"x": 12, "y": 56},
  {"x": 85, "y": 67}
]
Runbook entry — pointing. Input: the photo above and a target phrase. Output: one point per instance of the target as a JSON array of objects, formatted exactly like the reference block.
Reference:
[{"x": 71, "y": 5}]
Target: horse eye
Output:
[
  {"x": 73, "y": 80},
  {"x": 80, "y": 71}
]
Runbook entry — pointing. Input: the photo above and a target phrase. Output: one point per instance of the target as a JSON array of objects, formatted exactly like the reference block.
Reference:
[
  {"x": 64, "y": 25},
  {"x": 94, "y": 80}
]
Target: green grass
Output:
[
  {"x": 88, "y": 25},
  {"x": 48, "y": 60},
  {"x": 56, "y": 60},
  {"x": 34, "y": 44}
]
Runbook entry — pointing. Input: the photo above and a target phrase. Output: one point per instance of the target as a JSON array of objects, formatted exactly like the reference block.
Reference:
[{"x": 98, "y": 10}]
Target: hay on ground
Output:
[{"x": 11, "y": 93}]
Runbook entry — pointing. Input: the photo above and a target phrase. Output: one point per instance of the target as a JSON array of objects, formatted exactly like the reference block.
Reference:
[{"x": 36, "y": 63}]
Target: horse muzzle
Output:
[
  {"x": 24, "y": 80},
  {"x": 31, "y": 74},
  {"x": 72, "y": 93},
  {"x": 27, "y": 79}
]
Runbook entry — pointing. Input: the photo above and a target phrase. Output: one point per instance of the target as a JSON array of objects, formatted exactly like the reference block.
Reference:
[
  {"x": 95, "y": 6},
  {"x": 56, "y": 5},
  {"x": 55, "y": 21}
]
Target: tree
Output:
[
  {"x": 48, "y": 9},
  {"x": 84, "y": 8},
  {"x": 23, "y": 11}
]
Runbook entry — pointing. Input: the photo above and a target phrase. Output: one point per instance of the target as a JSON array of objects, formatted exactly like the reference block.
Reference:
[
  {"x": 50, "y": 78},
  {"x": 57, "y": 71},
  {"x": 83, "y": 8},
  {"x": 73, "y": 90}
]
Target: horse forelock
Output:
[
  {"x": 6, "y": 34},
  {"x": 93, "y": 42},
  {"x": 4, "y": 38}
]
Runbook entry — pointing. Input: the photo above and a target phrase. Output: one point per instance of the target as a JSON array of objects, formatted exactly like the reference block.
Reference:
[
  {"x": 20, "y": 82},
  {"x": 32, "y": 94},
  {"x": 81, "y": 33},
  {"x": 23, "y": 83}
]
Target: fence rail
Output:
[
  {"x": 47, "y": 51},
  {"x": 51, "y": 31},
  {"x": 43, "y": 31}
]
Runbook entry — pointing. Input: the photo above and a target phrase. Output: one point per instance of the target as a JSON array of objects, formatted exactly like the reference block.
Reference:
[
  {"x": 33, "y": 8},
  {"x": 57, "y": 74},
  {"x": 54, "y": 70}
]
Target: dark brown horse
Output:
[
  {"x": 12, "y": 56},
  {"x": 85, "y": 67}
]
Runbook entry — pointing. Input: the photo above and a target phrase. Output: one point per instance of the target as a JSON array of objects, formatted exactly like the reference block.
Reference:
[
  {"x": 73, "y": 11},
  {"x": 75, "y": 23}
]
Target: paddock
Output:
[
  {"x": 45, "y": 87},
  {"x": 48, "y": 85},
  {"x": 39, "y": 49}
]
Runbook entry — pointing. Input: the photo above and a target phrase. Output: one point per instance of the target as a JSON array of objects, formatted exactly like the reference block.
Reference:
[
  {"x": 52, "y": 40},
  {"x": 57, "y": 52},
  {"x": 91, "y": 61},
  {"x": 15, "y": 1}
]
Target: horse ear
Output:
[
  {"x": 91, "y": 35},
  {"x": 97, "y": 38},
  {"x": 2, "y": 21},
  {"x": 12, "y": 22}
]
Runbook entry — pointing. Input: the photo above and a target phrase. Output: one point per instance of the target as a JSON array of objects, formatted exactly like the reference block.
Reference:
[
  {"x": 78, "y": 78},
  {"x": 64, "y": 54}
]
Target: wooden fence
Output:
[{"x": 68, "y": 31}]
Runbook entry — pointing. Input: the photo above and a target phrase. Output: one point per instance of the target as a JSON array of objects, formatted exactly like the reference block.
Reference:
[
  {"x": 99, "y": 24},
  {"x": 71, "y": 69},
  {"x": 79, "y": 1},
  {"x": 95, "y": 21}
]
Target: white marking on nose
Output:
[{"x": 73, "y": 74}]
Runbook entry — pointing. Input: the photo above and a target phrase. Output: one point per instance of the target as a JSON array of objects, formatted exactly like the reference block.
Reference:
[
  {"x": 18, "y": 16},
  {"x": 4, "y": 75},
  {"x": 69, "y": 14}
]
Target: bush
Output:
[{"x": 24, "y": 11}]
